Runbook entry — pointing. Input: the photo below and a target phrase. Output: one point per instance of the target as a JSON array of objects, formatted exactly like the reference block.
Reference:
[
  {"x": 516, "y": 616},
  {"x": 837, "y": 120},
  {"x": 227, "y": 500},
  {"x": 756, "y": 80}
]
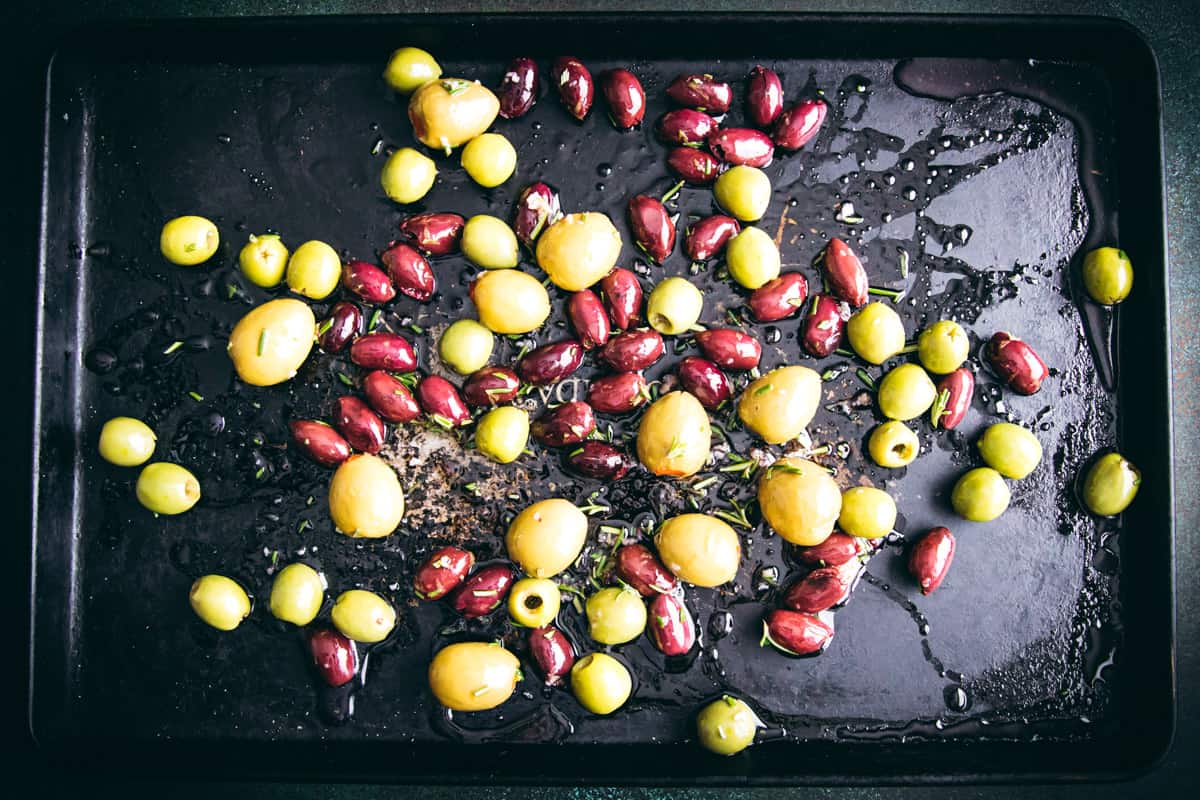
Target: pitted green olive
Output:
[
  {"x": 578, "y": 250},
  {"x": 675, "y": 436},
  {"x": 727, "y": 726},
  {"x": 616, "y": 615},
  {"x": 1011, "y": 450},
  {"x": 745, "y": 192},
  {"x": 489, "y": 159},
  {"x": 600, "y": 683},
  {"x": 943, "y": 347},
  {"x": 466, "y": 346},
  {"x": 534, "y": 602},
  {"x": 314, "y": 270},
  {"x": 1110, "y": 485},
  {"x": 448, "y": 112},
  {"x": 502, "y": 433},
  {"x": 752, "y": 258},
  {"x": 779, "y": 405},
  {"x": 867, "y": 512},
  {"x": 363, "y": 616},
  {"x": 166, "y": 488},
  {"x": 876, "y": 332},
  {"x": 799, "y": 500},
  {"x": 408, "y": 175},
  {"x": 126, "y": 442},
  {"x": 473, "y": 676},
  {"x": 296, "y": 594},
  {"x": 263, "y": 260},
  {"x": 674, "y": 306},
  {"x": 893, "y": 445},
  {"x": 410, "y": 68},
  {"x": 699, "y": 549},
  {"x": 268, "y": 344},
  {"x": 1107, "y": 275},
  {"x": 980, "y": 495},
  {"x": 489, "y": 243},
  {"x": 547, "y": 537},
  {"x": 219, "y": 601},
  {"x": 906, "y": 392},
  {"x": 189, "y": 240},
  {"x": 510, "y": 301},
  {"x": 365, "y": 498}
]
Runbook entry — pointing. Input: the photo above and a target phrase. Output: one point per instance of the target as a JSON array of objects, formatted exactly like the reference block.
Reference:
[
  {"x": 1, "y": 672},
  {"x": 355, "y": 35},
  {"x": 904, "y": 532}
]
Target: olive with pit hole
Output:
[
  {"x": 685, "y": 126},
  {"x": 344, "y": 323},
  {"x": 702, "y": 92},
  {"x": 1009, "y": 449},
  {"x": 622, "y": 297},
  {"x": 551, "y": 363},
  {"x": 473, "y": 676},
  {"x": 876, "y": 332},
  {"x": 363, "y": 616},
  {"x": 296, "y": 594},
  {"x": 652, "y": 227},
  {"x": 670, "y": 626},
  {"x": 536, "y": 208},
  {"x": 408, "y": 175},
  {"x": 575, "y": 86},
  {"x": 706, "y": 238},
  {"x": 443, "y": 572},
  {"x": 615, "y": 615},
  {"x": 822, "y": 327},
  {"x": 799, "y": 500},
  {"x": 727, "y": 726},
  {"x": 268, "y": 345},
  {"x": 552, "y": 652},
  {"x": 641, "y": 569},
  {"x": 365, "y": 498},
  {"x": 383, "y": 350},
  {"x": 166, "y": 488},
  {"x": 779, "y": 298},
  {"x": 189, "y": 240},
  {"x": 764, "y": 96},
  {"x": 510, "y": 301},
  {"x": 980, "y": 495},
  {"x": 334, "y": 656},
  {"x": 533, "y": 602},
  {"x": 744, "y": 192},
  {"x": 943, "y": 347},
  {"x": 893, "y": 445},
  {"x": 675, "y": 436},
  {"x": 1016, "y": 363},
  {"x": 466, "y": 346},
  {"x": 752, "y": 258},
  {"x": 483, "y": 592},
  {"x": 588, "y": 318},
  {"x": 502, "y": 433},
  {"x": 600, "y": 683},
  {"x": 674, "y": 306},
  {"x": 799, "y": 124},
  {"x": 844, "y": 273},
  {"x": 779, "y": 405},
  {"x": 705, "y": 380},
  {"x": 954, "y": 393},
  {"x": 313, "y": 270},
  {"x": 367, "y": 281},
  {"x": 694, "y": 166},
  {"x": 489, "y": 243},
  {"x": 410, "y": 68},
  {"x": 906, "y": 392},
  {"x": 747, "y": 146},
  {"x": 219, "y": 601},
  {"x": 263, "y": 260},
  {"x": 578, "y": 250},
  {"x": 568, "y": 424},
  {"x": 491, "y": 386},
  {"x": 437, "y": 233},
  {"x": 632, "y": 351},
  {"x": 361, "y": 426},
  {"x": 730, "y": 348},
  {"x": 836, "y": 550},
  {"x": 319, "y": 441},
  {"x": 618, "y": 394},
  {"x": 390, "y": 398},
  {"x": 625, "y": 96},
  {"x": 518, "y": 90},
  {"x": 699, "y": 549},
  {"x": 817, "y": 591},
  {"x": 599, "y": 461},
  {"x": 441, "y": 401},
  {"x": 546, "y": 537},
  {"x": 126, "y": 442},
  {"x": 1110, "y": 485},
  {"x": 489, "y": 159},
  {"x": 930, "y": 558},
  {"x": 449, "y": 112},
  {"x": 867, "y": 512},
  {"x": 1107, "y": 275},
  {"x": 795, "y": 633}
]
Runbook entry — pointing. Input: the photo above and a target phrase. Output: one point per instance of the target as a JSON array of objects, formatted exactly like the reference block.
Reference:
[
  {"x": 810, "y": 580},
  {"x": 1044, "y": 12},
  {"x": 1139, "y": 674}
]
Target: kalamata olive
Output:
[
  {"x": 930, "y": 558},
  {"x": 837, "y": 549},
  {"x": 334, "y": 656},
  {"x": 642, "y": 570},
  {"x": 383, "y": 350},
  {"x": 626, "y": 98},
  {"x": 707, "y": 237},
  {"x": 483, "y": 592},
  {"x": 818, "y": 590},
  {"x": 570, "y": 423},
  {"x": 589, "y": 319},
  {"x": 491, "y": 386},
  {"x": 442, "y": 402},
  {"x": 409, "y": 271},
  {"x": 795, "y": 633},
  {"x": 652, "y": 227},
  {"x": 622, "y": 297},
  {"x": 669, "y": 625},
  {"x": 779, "y": 298},
  {"x": 764, "y": 96},
  {"x": 633, "y": 351},
  {"x": 367, "y": 281},
  {"x": 551, "y": 363},
  {"x": 822, "y": 327},
  {"x": 845, "y": 274},
  {"x": 390, "y": 398},
  {"x": 704, "y": 379},
  {"x": 319, "y": 441},
  {"x": 618, "y": 394},
  {"x": 552, "y": 652},
  {"x": 701, "y": 92},
  {"x": 799, "y": 124},
  {"x": 518, "y": 88},
  {"x": 693, "y": 165},
  {"x": 600, "y": 461},
  {"x": 268, "y": 345},
  {"x": 437, "y": 233},
  {"x": 730, "y": 348},
  {"x": 443, "y": 572},
  {"x": 345, "y": 321},
  {"x": 1016, "y": 363},
  {"x": 686, "y": 127},
  {"x": 361, "y": 426},
  {"x": 575, "y": 86},
  {"x": 537, "y": 207},
  {"x": 747, "y": 146}
]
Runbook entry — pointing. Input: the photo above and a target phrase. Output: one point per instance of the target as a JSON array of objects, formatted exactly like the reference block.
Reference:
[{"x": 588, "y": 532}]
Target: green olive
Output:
[
  {"x": 363, "y": 616},
  {"x": 263, "y": 260},
  {"x": 943, "y": 347},
  {"x": 745, "y": 192},
  {"x": 296, "y": 594},
  {"x": 466, "y": 346},
  {"x": 534, "y": 602},
  {"x": 727, "y": 726},
  {"x": 893, "y": 445},
  {"x": 167, "y": 488},
  {"x": 408, "y": 175},
  {"x": 126, "y": 442},
  {"x": 906, "y": 392},
  {"x": 510, "y": 301},
  {"x": 675, "y": 436},
  {"x": 674, "y": 306},
  {"x": 699, "y": 548},
  {"x": 600, "y": 683},
  {"x": 502, "y": 433},
  {"x": 779, "y": 405},
  {"x": 1107, "y": 275},
  {"x": 365, "y": 498},
  {"x": 268, "y": 344},
  {"x": 449, "y": 112},
  {"x": 616, "y": 615},
  {"x": 489, "y": 243},
  {"x": 314, "y": 270},
  {"x": 752, "y": 257},
  {"x": 1011, "y": 450},
  {"x": 578, "y": 250},
  {"x": 876, "y": 332},
  {"x": 547, "y": 537},
  {"x": 410, "y": 68},
  {"x": 473, "y": 676},
  {"x": 799, "y": 500},
  {"x": 489, "y": 159},
  {"x": 189, "y": 241},
  {"x": 980, "y": 495},
  {"x": 867, "y": 512},
  {"x": 219, "y": 601},
  {"x": 1110, "y": 485}
]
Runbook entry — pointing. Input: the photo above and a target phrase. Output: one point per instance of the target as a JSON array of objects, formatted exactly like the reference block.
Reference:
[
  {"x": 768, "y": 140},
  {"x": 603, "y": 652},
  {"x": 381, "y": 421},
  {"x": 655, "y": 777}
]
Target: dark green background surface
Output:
[{"x": 1173, "y": 30}]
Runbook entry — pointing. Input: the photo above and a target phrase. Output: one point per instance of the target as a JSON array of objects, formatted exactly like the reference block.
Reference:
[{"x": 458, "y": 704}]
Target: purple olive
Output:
[
  {"x": 694, "y": 165},
  {"x": 745, "y": 146},
  {"x": 764, "y": 96},
  {"x": 442, "y": 402},
  {"x": 730, "y": 348},
  {"x": 367, "y": 281},
  {"x": 701, "y": 92},
  {"x": 954, "y": 393},
  {"x": 705, "y": 380},
  {"x": 443, "y": 572},
  {"x": 618, "y": 394},
  {"x": 642, "y": 570},
  {"x": 818, "y": 590},
  {"x": 669, "y": 625},
  {"x": 574, "y": 84},
  {"x": 518, "y": 88},
  {"x": 652, "y": 227},
  {"x": 686, "y": 127},
  {"x": 550, "y": 363},
  {"x": 707, "y": 237},
  {"x": 536, "y": 208},
  {"x": 390, "y": 398},
  {"x": 483, "y": 592},
  {"x": 382, "y": 350},
  {"x": 800, "y": 123},
  {"x": 633, "y": 351},
  {"x": 845, "y": 274},
  {"x": 333, "y": 655},
  {"x": 1016, "y": 363},
  {"x": 626, "y": 98},
  {"x": 361, "y": 426},
  {"x": 623, "y": 297},
  {"x": 589, "y": 319},
  {"x": 409, "y": 271},
  {"x": 319, "y": 441},
  {"x": 930, "y": 558},
  {"x": 795, "y": 633},
  {"x": 779, "y": 298},
  {"x": 345, "y": 321},
  {"x": 600, "y": 461},
  {"x": 436, "y": 233},
  {"x": 570, "y": 423},
  {"x": 491, "y": 386},
  {"x": 821, "y": 329},
  {"x": 552, "y": 652},
  {"x": 839, "y": 548}
]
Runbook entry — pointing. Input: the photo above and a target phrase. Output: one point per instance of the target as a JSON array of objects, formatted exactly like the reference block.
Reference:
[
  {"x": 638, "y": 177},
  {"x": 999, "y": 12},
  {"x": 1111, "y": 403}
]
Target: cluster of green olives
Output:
[{"x": 162, "y": 487}]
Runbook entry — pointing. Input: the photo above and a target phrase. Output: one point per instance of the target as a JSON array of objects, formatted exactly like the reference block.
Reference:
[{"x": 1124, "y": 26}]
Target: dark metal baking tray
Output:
[{"x": 1058, "y": 629}]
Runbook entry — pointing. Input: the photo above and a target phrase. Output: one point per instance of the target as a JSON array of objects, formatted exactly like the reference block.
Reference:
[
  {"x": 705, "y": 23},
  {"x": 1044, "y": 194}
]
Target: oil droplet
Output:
[
  {"x": 962, "y": 233},
  {"x": 772, "y": 334},
  {"x": 909, "y": 193},
  {"x": 888, "y": 216},
  {"x": 956, "y": 699},
  {"x": 100, "y": 361},
  {"x": 908, "y": 165},
  {"x": 889, "y": 178},
  {"x": 720, "y": 624},
  {"x": 600, "y": 186},
  {"x": 604, "y": 170}
]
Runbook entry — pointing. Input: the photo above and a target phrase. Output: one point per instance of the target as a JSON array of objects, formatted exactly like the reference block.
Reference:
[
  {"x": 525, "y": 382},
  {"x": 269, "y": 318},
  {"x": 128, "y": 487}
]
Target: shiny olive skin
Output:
[
  {"x": 442, "y": 572},
  {"x": 363, "y": 616},
  {"x": 652, "y": 227},
  {"x": 622, "y": 295},
  {"x": 642, "y": 570},
  {"x": 575, "y": 86},
  {"x": 365, "y": 498},
  {"x": 1107, "y": 275},
  {"x": 510, "y": 301},
  {"x": 764, "y": 96},
  {"x": 795, "y": 633},
  {"x": 534, "y": 602},
  {"x": 491, "y": 386},
  {"x": 450, "y": 112},
  {"x": 823, "y": 325},
  {"x": 599, "y": 461},
  {"x": 741, "y": 146},
  {"x": 409, "y": 271},
  {"x": 744, "y": 192},
  {"x": 844, "y": 273},
  {"x": 752, "y": 258},
  {"x": 367, "y": 281},
  {"x": 519, "y": 87},
  {"x": 588, "y": 318},
  {"x": 674, "y": 306},
  {"x": 954, "y": 393},
  {"x": 263, "y": 260},
  {"x": 483, "y": 592},
  {"x": 779, "y": 405},
  {"x": 219, "y": 601},
  {"x": 188, "y": 241},
  {"x": 705, "y": 380},
  {"x": 578, "y": 250},
  {"x": 727, "y": 726},
  {"x": 674, "y": 437},
  {"x": 817, "y": 591},
  {"x": 669, "y": 625},
  {"x": 730, "y": 348},
  {"x": 618, "y": 394},
  {"x": 930, "y": 558},
  {"x": 345, "y": 321},
  {"x": 334, "y": 656},
  {"x": 906, "y": 392},
  {"x": 268, "y": 345},
  {"x": 702, "y": 92},
  {"x": 779, "y": 298},
  {"x": 383, "y": 350},
  {"x": 632, "y": 351},
  {"x": 536, "y": 207},
  {"x": 799, "y": 124},
  {"x": 799, "y": 500},
  {"x": 166, "y": 488},
  {"x": 546, "y": 537},
  {"x": 473, "y": 676},
  {"x": 876, "y": 332},
  {"x": 600, "y": 683},
  {"x": 296, "y": 594},
  {"x": 437, "y": 233},
  {"x": 694, "y": 166},
  {"x": 615, "y": 615},
  {"x": 1016, "y": 363},
  {"x": 893, "y": 445},
  {"x": 626, "y": 98},
  {"x": 699, "y": 549},
  {"x": 835, "y": 551},
  {"x": 1009, "y": 449},
  {"x": 441, "y": 401},
  {"x": 410, "y": 68},
  {"x": 126, "y": 442},
  {"x": 980, "y": 495},
  {"x": 313, "y": 270},
  {"x": 502, "y": 433},
  {"x": 551, "y": 363},
  {"x": 489, "y": 159},
  {"x": 389, "y": 397},
  {"x": 943, "y": 347},
  {"x": 408, "y": 175},
  {"x": 552, "y": 652},
  {"x": 685, "y": 127},
  {"x": 466, "y": 346},
  {"x": 319, "y": 441},
  {"x": 867, "y": 512},
  {"x": 489, "y": 243},
  {"x": 568, "y": 424},
  {"x": 1110, "y": 485},
  {"x": 706, "y": 238}
]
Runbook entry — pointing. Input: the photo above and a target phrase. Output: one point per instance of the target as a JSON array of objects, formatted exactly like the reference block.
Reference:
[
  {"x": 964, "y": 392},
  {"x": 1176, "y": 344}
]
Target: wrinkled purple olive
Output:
[
  {"x": 367, "y": 281},
  {"x": 818, "y": 590},
  {"x": 686, "y": 127},
  {"x": 518, "y": 88},
  {"x": 652, "y": 227},
  {"x": 795, "y": 633},
  {"x": 625, "y": 96},
  {"x": 334, "y": 656},
  {"x": 622, "y": 297},
  {"x": 361, "y": 426},
  {"x": 642, "y": 570},
  {"x": 570, "y": 423},
  {"x": 483, "y": 592},
  {"x": 694, "y": 165},
  {"x": 491, "y": 386},
  {"x": 954, "y": 393},
  {"x": 730, "y": 348},
  {"x": 600, "y": 461},
  {"x": 845, "y": 273},
  {"x": 390, "y": 398},
  {"x": 588, "y": 317},
  {"x": 747, "y": 146},
  {"x": 319, "y": 442},
  {"x": 442, "y": 402},
  {"x": 706, "y": 238},
  {"x": 618, "y": 394},
  {"x": 821, "y": 329},
  {"x": 575, "y": 86},
  {"x": 779, "y": 298},
  {"x": 537, "y": 207},
  {"x": 930, "y": 558},
  {"x": 409, "y": 271},
  {"x": 836, "y": 550},
  {"x": 705, "y": 380},
  {"x": 799, "y": 124},
  {"x": 345, "y": 321},
  {"x": 670, "y": 626},
  {"x": 1016, "y": 363},
  {"x": 764, "y": 96},
  {"x": 382, "y": 350},
  {"x": 701, "y": 92},
  {"x": 443, "y": 572},
  {"x": 552, "y": 652},
  {"x": 437, "y": 233},
  {"x": 633, "y": 351},
  {"x": 550, "y": 363}
]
